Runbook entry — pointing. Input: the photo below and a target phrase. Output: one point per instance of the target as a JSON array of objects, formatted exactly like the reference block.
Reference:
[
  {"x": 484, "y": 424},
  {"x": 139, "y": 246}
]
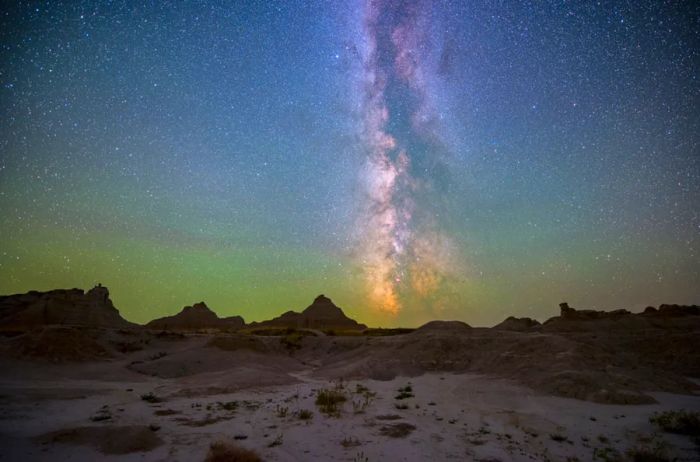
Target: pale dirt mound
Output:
[
  {"x": 444, "y": 326},
  {"x": 255, "y": 343},
  {"x": 117, "y": 440},
  {"x": 58, "y": 344},
  {"x": 222, "y": 370},
  {"x": 601, "y": 369}
]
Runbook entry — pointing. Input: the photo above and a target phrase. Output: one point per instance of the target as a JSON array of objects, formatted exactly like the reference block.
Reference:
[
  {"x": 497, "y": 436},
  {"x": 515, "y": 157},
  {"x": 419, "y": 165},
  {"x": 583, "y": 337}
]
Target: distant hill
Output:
[
  {"x": 196, "y": 317},
  {"x": 321, "y": 314},
  {"x": 66, "y": 307},
  {"x": 517, "y": 324}
]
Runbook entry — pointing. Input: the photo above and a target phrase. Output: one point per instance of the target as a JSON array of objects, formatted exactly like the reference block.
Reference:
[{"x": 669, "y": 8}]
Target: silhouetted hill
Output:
[
  {"x": 66, "y": 307},
  {"x": 196, "y": 317},
  {"x": 321, "y": 314}
]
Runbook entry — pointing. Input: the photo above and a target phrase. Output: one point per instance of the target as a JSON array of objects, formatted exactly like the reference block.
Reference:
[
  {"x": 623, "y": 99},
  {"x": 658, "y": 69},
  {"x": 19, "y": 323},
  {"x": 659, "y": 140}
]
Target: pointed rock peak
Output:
[
  {"x": 323, "y": 305},
  {"x": 322, "y": 299}
]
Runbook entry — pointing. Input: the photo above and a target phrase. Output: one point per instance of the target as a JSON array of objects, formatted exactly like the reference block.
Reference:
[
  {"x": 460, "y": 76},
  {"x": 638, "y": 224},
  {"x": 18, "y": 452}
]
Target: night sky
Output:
[{"x": 412, "y": 160}]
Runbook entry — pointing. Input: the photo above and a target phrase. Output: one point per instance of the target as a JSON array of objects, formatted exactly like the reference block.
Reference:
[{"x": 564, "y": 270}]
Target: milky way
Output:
[{"x": 402, "y": 252}]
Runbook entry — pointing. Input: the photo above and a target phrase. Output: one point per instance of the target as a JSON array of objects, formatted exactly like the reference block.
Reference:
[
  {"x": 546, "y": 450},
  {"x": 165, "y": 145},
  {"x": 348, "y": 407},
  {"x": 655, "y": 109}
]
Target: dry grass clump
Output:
[
  {"x": 350, "y": 442},
  {"x": 221, "y": 451},
  {"x": 305, "y": 414},
  {"x": 681, "y": 422},
  {"x": 328, "y": 401}
]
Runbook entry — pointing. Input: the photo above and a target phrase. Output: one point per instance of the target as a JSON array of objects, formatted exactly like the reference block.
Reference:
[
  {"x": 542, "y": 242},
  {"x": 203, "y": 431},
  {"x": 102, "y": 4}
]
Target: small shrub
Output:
[
  {"x": 405, "y": 392},
  {"x": 282, "y": 411},
  {"x": 228, "y": 405},
  {"x": 360, "y": 457},
  {"x": 151, "y": 398},
  {"x": 304, "y": 414},
  {"x": 350, "y": 442},
  {"x": 681, "y": 422},
  {"x": 558, "y": 437},
  {"x": 401, "y": 406},
  {"x": 360, "y": 389},
  {"x": 227, "y": 452}
]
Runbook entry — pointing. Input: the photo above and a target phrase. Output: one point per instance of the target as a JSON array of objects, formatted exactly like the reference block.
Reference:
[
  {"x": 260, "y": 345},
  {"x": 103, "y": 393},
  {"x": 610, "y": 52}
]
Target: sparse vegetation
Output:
[
  {"x": 277, "y": 441},
  {"x": 350, "y": 442},
  {"x": 361, "y": 389},
  {"x": 360, "y": 457},
  {"x": 227, "y": 452},
  {"x": 228, "y": 405},
  {"x": 405, "y": 392},
  {"x": 401, "y": 406},
  {"x": 646, "y": 454},
  {"x": 607, "y": 454},
  {"x": 293, "y": 340},
  {"x": 558, "y": 437},
  {"x": 150, "y": 397},
  {"x": 281, "y": 411},
  {"x": 305, "y": 414},
  {"x": 680, "y": 422},
  {"x": 328, "y": 401}
]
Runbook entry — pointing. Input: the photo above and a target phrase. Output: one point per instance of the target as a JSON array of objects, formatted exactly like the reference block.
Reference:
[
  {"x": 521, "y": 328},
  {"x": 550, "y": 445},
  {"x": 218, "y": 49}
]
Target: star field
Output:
[{"x": 410, "y": 159}]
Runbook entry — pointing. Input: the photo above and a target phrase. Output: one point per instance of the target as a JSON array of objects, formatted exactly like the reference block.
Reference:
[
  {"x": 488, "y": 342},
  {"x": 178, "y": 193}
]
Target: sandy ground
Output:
[{"x": 450, "y": 417}]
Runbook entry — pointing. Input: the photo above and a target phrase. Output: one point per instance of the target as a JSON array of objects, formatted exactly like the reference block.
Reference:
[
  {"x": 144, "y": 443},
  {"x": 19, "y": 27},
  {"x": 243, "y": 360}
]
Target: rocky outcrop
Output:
[
  {"x": 668, "y": 316},
  {"x": 65, "y": 307},
  {"x": 569, "y": 313},
  {"x": 196, "y": 317},
  {"x": 518, "y": 324},
  {"x": 321, "y": 314},
  {"x": 678, "y": 310}
]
